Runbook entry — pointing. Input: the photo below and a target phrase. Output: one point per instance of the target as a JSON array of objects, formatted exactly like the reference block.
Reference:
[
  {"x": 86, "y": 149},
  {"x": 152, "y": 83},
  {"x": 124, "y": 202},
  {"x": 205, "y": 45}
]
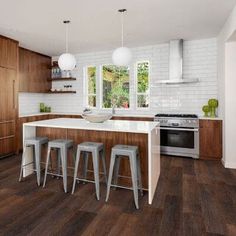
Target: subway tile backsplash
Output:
[{"x": 200, "y": 61}]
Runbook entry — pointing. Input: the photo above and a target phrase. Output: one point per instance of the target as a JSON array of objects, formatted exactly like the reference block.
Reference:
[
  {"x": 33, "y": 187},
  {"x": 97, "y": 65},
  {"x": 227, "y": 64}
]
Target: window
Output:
[
  {"x": 143, "y": 84},
  {"x": 91, "y": 88},
  {"x": 115, "y": 86}
]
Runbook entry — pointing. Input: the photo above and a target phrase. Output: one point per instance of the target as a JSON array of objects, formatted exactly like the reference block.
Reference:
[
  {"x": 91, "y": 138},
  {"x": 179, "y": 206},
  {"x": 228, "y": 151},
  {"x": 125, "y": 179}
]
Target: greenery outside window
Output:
[
  {"x": 91, "y": 86},
  {"x": 115, "y": 87},
  {"x": 143, "y": 84}
]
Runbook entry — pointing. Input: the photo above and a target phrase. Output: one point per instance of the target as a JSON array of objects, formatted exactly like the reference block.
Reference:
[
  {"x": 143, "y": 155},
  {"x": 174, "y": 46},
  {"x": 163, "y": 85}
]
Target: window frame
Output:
[
  {"x": 101, "y": 89},
  {"x": 87, "y": 94},
  {"x": 136, "y": 85}
]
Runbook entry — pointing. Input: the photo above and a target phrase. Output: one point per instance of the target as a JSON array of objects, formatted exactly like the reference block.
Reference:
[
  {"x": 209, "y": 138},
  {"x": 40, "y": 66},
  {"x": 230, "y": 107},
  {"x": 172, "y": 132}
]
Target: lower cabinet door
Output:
[
  {"x": 7, "y": 146},
  {"x": 7, "y": 137}
]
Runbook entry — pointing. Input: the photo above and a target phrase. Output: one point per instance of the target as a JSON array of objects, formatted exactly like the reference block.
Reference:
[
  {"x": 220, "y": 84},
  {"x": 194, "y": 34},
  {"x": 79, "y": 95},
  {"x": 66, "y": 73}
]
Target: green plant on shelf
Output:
[
  {"x": 206, "y": 110},
  {"x": 213, "y": 104}
]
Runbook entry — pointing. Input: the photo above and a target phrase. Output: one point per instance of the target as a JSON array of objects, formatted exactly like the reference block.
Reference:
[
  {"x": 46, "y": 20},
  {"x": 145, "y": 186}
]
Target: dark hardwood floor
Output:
[{"x": 193, "y": 198}]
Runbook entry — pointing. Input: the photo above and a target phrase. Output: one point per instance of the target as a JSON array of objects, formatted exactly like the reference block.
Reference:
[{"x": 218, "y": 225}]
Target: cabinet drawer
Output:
[
  {"x": 7, "y": 146},
  {"x": 210, "y": 123},
  {"x": 7, "y": 128}
]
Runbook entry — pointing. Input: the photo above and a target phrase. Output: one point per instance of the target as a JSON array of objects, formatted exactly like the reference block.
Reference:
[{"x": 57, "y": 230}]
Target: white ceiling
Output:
[{"x": 95, "y": 24}]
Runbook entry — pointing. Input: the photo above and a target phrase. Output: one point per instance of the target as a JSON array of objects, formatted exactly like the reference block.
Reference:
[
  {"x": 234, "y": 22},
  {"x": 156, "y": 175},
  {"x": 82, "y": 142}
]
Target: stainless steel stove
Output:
[{"x": 179, "y": 134}]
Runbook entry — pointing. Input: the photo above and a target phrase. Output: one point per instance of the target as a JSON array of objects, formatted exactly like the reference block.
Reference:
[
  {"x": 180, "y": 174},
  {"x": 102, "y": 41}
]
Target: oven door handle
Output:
[{"x": 179, "y": 129}]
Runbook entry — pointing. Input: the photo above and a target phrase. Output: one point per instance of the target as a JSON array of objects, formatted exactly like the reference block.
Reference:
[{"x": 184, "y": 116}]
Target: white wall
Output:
[
  {"x": 227, "y": 84},
  {"x": 230, "y": 104},
  {"x": 200, "y": 61}
]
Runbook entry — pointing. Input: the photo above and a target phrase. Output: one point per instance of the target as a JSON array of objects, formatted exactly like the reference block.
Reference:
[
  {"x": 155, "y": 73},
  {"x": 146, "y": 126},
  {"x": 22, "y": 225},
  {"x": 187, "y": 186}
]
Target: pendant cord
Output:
[
  {"x": 66, "y": 38},
  {"x": 122, "y": 29}
]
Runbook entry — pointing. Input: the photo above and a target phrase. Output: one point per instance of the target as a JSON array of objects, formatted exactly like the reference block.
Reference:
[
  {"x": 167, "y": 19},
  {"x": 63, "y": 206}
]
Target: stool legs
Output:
[
  {"x": 46, "y": 167},
  {"x": 96, "y": 172},
  {"x": 112, "y": 162},
  {"x": 139, "y": 175},
  {"x": 58, "y": 163},
  {"x": 21, "y": 169},
  {"x": 76, "y": 170},
  {"x": 64, "y": 168},
  {"x": 133, "y": 167},
  {"x": 37, "y": 150},
  {"x": 104, "y": 164},
  {"x": 116, "y": 171},
  {"x": 85, "y": 156}
]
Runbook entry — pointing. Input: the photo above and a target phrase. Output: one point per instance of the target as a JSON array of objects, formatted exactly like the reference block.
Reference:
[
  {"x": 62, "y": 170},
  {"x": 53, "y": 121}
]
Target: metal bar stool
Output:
[
  {"x": 62, "y": 146},
  {"x": 35, "y": 143},
  {"x": 95, "y": 149},
  {"x": 132, "y": 153}
]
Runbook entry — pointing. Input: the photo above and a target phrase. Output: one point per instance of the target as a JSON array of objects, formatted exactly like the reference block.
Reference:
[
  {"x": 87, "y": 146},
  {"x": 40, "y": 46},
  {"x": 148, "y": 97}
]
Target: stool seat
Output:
[
  {"x": 125, "y": 149},
  {"x": 35, "y": 143},
  {"x": 90, "y": 146},
  {"x": 95, "y": 149},
  {"x": 60, "y": 143},
  {"x": 36, "y": 140}
]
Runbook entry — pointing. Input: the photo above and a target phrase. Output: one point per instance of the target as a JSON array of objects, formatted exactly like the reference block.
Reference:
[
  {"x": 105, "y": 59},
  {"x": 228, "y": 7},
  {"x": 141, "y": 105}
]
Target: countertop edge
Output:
[
  {"x": 50, "y": 124},
  {"x": 79, "y": 114}
]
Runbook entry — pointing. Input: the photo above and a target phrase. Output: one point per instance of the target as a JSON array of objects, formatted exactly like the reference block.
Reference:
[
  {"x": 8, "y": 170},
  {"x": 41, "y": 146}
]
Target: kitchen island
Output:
[{"x": 144, "y": 134}]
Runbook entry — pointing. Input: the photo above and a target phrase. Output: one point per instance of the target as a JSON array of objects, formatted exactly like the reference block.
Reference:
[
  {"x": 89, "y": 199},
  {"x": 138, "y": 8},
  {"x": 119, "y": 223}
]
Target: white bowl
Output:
[{"x": 97, "y": 117}]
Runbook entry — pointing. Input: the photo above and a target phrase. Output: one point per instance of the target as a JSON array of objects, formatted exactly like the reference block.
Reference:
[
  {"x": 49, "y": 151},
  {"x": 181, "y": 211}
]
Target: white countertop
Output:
[
  {"x": 110, "y": 125},
  {"x": 79, "y": 114}
]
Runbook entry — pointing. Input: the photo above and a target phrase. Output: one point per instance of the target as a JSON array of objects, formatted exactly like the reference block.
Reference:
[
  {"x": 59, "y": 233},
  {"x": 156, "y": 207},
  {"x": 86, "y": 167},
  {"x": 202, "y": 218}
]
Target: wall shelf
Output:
[
  {"x": 62, "y": 79},
  {"x": 52, "y": 92}
]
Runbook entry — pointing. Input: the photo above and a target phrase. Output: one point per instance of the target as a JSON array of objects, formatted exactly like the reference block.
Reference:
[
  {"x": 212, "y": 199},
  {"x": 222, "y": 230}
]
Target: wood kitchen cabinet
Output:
[
  {"x": 8, "y": 53},
  {"x": 8, "y": 95},
  {"x": 34, "y": 71},
  {"x": 210, "y": 136}
]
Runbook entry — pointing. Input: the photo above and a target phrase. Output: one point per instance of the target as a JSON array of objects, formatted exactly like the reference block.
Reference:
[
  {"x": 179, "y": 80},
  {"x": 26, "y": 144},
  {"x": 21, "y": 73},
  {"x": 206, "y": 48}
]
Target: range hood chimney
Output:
[{"x": 176, "y": 64}]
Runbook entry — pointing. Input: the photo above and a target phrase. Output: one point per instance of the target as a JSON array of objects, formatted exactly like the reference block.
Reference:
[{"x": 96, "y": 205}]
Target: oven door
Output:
[{"x": 180, "y": 141}]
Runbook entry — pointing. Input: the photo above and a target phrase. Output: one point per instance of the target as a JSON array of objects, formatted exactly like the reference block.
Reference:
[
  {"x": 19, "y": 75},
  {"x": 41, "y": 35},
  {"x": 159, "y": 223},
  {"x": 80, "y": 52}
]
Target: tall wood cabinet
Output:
[
  {"x": 8, "y": 95},
  {"x": 34, "y": 72}
]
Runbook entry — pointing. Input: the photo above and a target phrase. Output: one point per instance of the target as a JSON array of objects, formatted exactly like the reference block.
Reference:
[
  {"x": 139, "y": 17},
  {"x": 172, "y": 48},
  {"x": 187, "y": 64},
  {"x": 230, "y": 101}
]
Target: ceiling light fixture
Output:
[
  {"x": 67, "y": 61},
  {"x": 122, "y": 55}
]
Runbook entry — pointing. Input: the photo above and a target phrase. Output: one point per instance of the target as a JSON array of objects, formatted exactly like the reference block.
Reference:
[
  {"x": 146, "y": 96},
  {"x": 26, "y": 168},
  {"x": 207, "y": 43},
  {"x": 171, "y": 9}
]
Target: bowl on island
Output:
[{"x": 97, "y": 117}]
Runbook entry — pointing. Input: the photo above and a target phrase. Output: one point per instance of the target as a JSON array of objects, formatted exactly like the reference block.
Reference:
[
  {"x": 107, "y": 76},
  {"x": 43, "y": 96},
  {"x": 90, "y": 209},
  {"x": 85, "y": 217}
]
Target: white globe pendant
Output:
[
  {"x": 67, "y": 62},
  {"x": 122, "y": 56}
]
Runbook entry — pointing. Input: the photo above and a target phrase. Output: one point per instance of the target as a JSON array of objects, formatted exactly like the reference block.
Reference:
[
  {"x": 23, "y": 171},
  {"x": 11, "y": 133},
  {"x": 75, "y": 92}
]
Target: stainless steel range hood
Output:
[{"x": 176, "y": 64}]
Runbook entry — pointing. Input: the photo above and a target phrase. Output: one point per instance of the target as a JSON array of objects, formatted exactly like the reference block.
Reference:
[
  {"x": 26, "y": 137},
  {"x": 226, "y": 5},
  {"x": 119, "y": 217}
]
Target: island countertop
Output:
[{"x": 143, "y": 127}]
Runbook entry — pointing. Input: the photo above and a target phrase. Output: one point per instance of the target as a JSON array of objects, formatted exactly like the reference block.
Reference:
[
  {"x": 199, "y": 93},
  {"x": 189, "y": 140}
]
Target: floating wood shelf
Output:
[
  {"x": 61, "y": 79},
  {"x": 61, "y": 91}
]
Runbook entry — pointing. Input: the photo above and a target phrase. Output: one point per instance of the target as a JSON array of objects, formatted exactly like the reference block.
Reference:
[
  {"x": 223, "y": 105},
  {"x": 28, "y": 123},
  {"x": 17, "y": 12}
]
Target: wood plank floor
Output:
[{"x": 193, "y": 198}]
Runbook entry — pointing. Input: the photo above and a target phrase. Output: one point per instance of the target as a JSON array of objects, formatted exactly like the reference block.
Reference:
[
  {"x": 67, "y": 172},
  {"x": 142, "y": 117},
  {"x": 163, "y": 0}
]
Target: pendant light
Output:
[
  {"x": 66, "y": 61},
  {"x": 122, "y": 55}
]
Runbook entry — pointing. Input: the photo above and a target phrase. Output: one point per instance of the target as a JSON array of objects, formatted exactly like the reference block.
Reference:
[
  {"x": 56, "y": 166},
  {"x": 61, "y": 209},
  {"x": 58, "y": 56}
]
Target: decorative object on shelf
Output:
[
  {"x": 67, "y": 61},
  {"x": 47, "y": 109},
  {"x": 56, "y": 72},
  {"x": 41, "y": 107},
  {"x": 206, "y": 110},
  {"x": 44, "y": 108},
  {"x": 122, "y": 55},
  {"x": 213, "y": 104}
]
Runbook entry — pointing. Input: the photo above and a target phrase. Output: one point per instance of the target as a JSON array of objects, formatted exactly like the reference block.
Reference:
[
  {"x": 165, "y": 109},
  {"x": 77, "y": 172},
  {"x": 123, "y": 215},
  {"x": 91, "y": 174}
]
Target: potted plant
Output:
[
  {"x": 206, "y": 110},
  {"x": 213, "y": 104}
]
